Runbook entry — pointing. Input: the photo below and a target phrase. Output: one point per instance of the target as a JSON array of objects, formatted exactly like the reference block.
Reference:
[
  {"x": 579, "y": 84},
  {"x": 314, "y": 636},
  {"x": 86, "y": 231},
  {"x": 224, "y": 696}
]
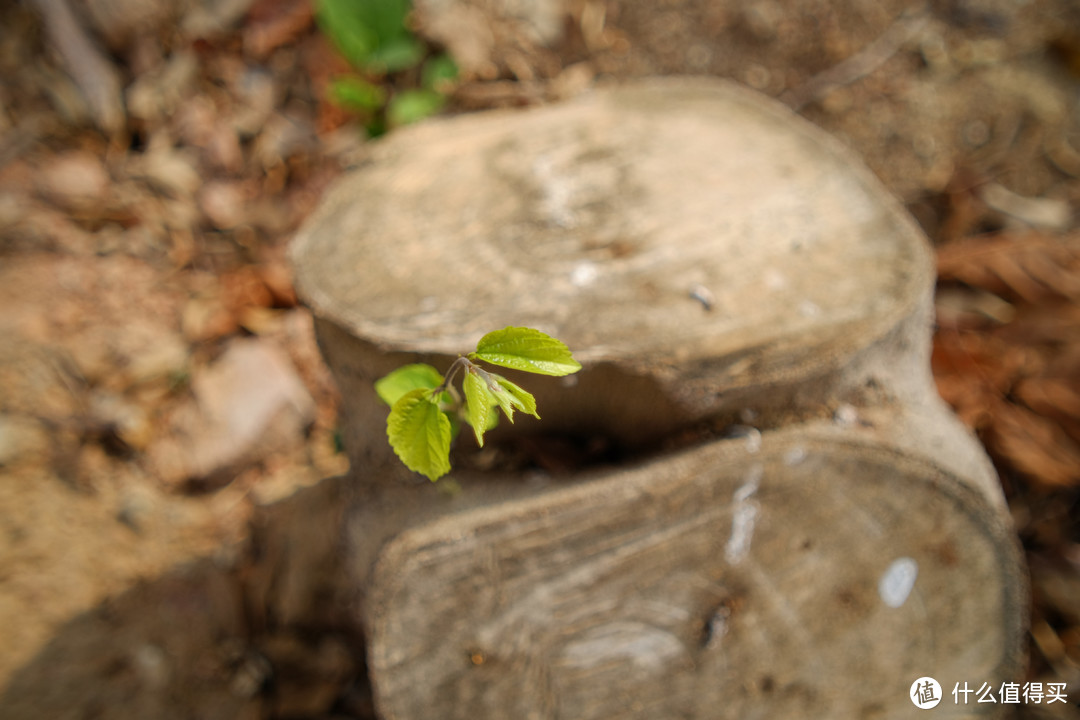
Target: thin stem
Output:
[{"x": 461, "y": 362}]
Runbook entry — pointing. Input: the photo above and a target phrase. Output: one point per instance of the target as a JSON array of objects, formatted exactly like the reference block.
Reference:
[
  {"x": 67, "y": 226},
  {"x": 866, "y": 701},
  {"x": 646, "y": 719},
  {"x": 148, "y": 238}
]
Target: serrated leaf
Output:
[
  {"x": 419, "y": 433},
  {"x": 392, "y": 387},
  {"x": 479, "y": 403},
  {"x": 516, "y": 396},
  {"x": 496, "y": 395},
  {"x": 493, "y": 421},
  {"x": 504, "y": 399},
  {"x": 526, "y": 349}
]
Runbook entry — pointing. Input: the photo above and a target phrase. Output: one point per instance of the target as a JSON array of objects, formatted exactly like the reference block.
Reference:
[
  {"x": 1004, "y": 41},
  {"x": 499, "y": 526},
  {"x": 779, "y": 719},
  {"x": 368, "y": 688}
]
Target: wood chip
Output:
[
  {"x": 74, "y": 181},
  {"x": 1045, "y": 213}
]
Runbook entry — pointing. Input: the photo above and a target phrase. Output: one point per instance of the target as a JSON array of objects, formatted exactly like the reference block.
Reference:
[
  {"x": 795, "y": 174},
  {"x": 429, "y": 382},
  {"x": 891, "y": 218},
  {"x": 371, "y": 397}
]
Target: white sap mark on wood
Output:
[
  {"x": 794, "y": 455},
  {"x": 744, "y": 515},
  {"x": 752, "y": 435},
  {"x": 645, "y": 646},
  {"x": 751, "y": 482},
  {"x": 897, "y": 582},
  {"x": 846, "y": 415},
  {"x": 583, "y": 274}
]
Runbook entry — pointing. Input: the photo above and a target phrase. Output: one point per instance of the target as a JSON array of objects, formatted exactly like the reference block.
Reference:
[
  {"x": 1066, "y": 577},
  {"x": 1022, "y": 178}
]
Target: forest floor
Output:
[{"x": 160, "y": 384}]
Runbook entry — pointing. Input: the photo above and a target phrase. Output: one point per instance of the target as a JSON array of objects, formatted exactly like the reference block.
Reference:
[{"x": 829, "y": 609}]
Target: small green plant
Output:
[
  {"x": 373, "y": 35},
  {"x": 426, "y": 409}
]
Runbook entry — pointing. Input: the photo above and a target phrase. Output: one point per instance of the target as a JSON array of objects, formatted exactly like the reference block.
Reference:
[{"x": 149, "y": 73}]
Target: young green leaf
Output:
[
  {"x": 439, "y": 74},
  {"x": 419, "y": 432},
  {"x": 344, "y": 23},
  {"x": 516, "y": 397},
  {"x": 526, "y": 349},
  {"x": 479, "y": 401},
  {"x": 354, "y": 93},
  {"x": 399, "y": 53},
  {"x": 413, "y": 105},
  {"x": 370, "y": 33},
  {"x": 410, "y": 377},
  {"x": 504, "y": 399}
]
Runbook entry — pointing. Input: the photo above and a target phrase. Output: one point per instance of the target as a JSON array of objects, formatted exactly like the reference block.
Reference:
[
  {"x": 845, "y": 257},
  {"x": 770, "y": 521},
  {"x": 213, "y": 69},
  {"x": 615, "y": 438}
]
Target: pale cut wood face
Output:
[
  {"x": 604, "y": 221},
  {"x": 804, "y": 578}
]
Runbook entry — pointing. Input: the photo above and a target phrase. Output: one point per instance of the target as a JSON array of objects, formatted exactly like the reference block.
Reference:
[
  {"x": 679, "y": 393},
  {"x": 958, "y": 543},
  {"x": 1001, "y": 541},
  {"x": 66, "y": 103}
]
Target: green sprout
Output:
[
  {"x": 374, "y": 36},
  {"x": 426, "y": 409}
]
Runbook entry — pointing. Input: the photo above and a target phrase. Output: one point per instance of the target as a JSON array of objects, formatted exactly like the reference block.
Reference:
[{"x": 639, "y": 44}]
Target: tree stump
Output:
[{"x": 786, "y": 520}]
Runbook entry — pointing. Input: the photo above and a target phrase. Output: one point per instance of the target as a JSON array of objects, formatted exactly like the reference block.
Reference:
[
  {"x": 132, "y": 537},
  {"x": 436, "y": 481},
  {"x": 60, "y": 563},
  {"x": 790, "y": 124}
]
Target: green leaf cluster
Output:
[
  {"x": 373, "y": 35},
  {"x": 426, "y": 408}
]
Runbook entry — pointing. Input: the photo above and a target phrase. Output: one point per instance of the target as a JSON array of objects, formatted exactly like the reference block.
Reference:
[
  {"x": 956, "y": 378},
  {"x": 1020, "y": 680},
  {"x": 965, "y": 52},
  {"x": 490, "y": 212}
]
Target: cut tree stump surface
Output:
[
  {"x": 807, "y": 578},
  {"x": 686, "y": 240},
  {"x": 710, "y": 258},
  {"x": 599, "y": 219}
]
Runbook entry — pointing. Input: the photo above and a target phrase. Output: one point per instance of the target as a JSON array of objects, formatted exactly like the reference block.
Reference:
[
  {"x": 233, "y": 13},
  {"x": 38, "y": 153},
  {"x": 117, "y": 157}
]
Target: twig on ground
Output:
[
  {"x": 95, "y": 76},
  {"x": 862, "y": 63}
]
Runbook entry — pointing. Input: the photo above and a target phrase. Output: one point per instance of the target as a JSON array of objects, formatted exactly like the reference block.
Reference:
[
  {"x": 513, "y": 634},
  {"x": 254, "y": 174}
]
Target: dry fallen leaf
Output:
[
  {"x": 973, "y": 370},
  {"x": 1016, "y": 381},
  {"x": 273, "y": 23},
  {"x": 1034, "y": 445},
  {"x": 1057, "y": 399},
  {"x": 1030, "y": 266}
]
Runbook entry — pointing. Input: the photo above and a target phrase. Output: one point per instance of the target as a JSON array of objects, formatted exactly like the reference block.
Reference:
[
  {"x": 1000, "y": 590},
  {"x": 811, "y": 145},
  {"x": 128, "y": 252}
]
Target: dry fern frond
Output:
[
  {"x": 1030, "y": 266},
  {"x": 1034, "y": 445}
]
